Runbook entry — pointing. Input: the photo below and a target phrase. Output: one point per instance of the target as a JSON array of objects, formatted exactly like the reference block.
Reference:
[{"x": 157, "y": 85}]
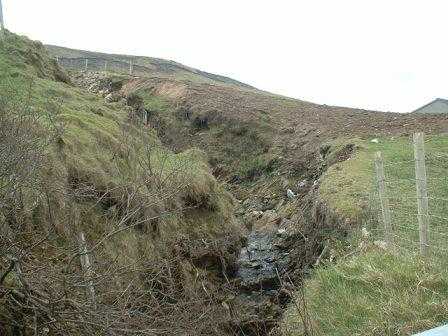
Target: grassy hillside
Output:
[
  {"x": 370, "y": 291},
  {"x": 99, "y": 144},
  {"x": 248, "y": 134},
  {"x": 160, "y": 227},
  {"x": 150, "y": 216},
  {"x": 268, "y": 143}
]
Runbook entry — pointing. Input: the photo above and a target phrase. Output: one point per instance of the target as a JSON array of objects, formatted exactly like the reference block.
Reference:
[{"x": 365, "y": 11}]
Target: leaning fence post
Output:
[
  {"x": 385, "y": 210},
  {"x": 86, "y": 268},
  {"x": 422, "y": 191},
  {"x": 87, "y": 64}
]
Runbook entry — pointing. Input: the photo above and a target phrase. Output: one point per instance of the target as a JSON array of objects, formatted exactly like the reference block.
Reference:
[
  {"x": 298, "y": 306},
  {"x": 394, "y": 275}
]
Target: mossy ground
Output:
[{"x": 237, "y": 148}]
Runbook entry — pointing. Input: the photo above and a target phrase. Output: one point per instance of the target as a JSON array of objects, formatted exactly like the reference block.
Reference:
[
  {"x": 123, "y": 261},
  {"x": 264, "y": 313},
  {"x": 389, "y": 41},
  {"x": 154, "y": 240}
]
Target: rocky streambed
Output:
[
  {"x": 263, "y": 259},
  {"x": 263, "y": 268}
]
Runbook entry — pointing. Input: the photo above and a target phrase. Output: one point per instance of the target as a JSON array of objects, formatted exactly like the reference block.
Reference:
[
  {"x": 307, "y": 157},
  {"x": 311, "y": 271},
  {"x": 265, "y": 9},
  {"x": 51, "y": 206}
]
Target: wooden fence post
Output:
[
  {"x": 2, "y": 24},
  {"x": 105, "y": 65},
  {"x": 385, "y": 210},
  {"x": 86, "y": 268},
  {"x": 87, "y": 64},
  {"x": 145, "y": 117},
  {"x": 422, "y": 191}
]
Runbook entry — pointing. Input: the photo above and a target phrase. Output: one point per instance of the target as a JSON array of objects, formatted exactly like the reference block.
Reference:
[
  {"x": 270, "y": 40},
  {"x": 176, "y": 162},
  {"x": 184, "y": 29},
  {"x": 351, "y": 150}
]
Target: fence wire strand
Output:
[{"x": 403, "y": 183}]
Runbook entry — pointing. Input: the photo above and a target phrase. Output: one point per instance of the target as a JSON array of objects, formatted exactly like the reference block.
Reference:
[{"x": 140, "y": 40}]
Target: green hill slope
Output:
[
  {"x": 149, "y": 216},
  {"x": 370, "y": 290}
]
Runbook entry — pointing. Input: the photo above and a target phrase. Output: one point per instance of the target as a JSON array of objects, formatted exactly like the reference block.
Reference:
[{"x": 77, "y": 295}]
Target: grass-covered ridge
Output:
[
  {"x": 370, "y": 291},
  {"x": 98, "y": 144},
  {"x": 235, "y": 149},
  {"x": 147, "y": 213}
]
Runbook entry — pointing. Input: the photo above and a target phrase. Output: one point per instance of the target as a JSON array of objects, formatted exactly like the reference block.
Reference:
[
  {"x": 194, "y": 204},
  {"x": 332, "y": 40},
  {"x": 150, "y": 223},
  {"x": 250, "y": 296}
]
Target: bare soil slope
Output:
[
  {"x": 291, "y": 130},
  {"x": 290, "y": 115}
]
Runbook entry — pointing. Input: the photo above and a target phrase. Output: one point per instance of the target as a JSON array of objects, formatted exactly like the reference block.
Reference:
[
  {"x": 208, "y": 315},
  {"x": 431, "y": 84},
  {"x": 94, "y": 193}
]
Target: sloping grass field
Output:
[{"x": 370, "y": 290}]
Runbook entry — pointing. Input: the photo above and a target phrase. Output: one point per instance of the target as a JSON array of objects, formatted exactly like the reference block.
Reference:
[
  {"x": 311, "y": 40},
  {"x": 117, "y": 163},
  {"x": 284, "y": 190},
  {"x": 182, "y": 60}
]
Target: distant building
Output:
[{"x": 437, "y": 106}]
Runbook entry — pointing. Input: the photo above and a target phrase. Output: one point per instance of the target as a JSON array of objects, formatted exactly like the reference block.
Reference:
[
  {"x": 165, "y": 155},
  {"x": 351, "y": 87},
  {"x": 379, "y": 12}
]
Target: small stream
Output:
[
  {"x": 261, "y": 265},
  {"x": 263, "y": 259}
]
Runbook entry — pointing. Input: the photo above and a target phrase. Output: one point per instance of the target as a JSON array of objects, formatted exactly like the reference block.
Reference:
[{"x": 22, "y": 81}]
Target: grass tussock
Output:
[
  {"x": 97, "y": 145},
  {"x": 375, "y": 293}
]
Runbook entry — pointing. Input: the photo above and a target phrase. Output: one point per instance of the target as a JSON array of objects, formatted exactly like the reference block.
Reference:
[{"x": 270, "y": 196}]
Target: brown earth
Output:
[
  {"x": 287, "y": 115},
  {"x": 293, "y": 129},
  {"x": 291, "y": 120}
]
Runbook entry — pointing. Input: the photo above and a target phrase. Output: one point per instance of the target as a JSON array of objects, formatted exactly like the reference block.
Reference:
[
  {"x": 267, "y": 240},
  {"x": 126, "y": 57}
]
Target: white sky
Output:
[{"x": 389, "y": 55}]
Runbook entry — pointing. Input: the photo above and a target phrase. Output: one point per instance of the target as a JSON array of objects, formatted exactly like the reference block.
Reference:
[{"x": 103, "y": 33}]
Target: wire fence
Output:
[
  {"x": 412, "y": 197},
  {"x": 103, "y": 64}
]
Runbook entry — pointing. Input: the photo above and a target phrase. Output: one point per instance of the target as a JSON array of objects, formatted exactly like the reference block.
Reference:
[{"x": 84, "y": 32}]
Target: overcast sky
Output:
[{"x": 389, "y": 55}]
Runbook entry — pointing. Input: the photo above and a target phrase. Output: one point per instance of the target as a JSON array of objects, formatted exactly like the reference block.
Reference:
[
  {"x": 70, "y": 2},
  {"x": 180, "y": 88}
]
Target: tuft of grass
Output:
[
  {"x": 153, "y": 102},
  {"x": 346, "y": 185},
  {"x": 375, "y": 293},
  {"x": 257, "y": 166},
  {"x": 22, "y": 56}
]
